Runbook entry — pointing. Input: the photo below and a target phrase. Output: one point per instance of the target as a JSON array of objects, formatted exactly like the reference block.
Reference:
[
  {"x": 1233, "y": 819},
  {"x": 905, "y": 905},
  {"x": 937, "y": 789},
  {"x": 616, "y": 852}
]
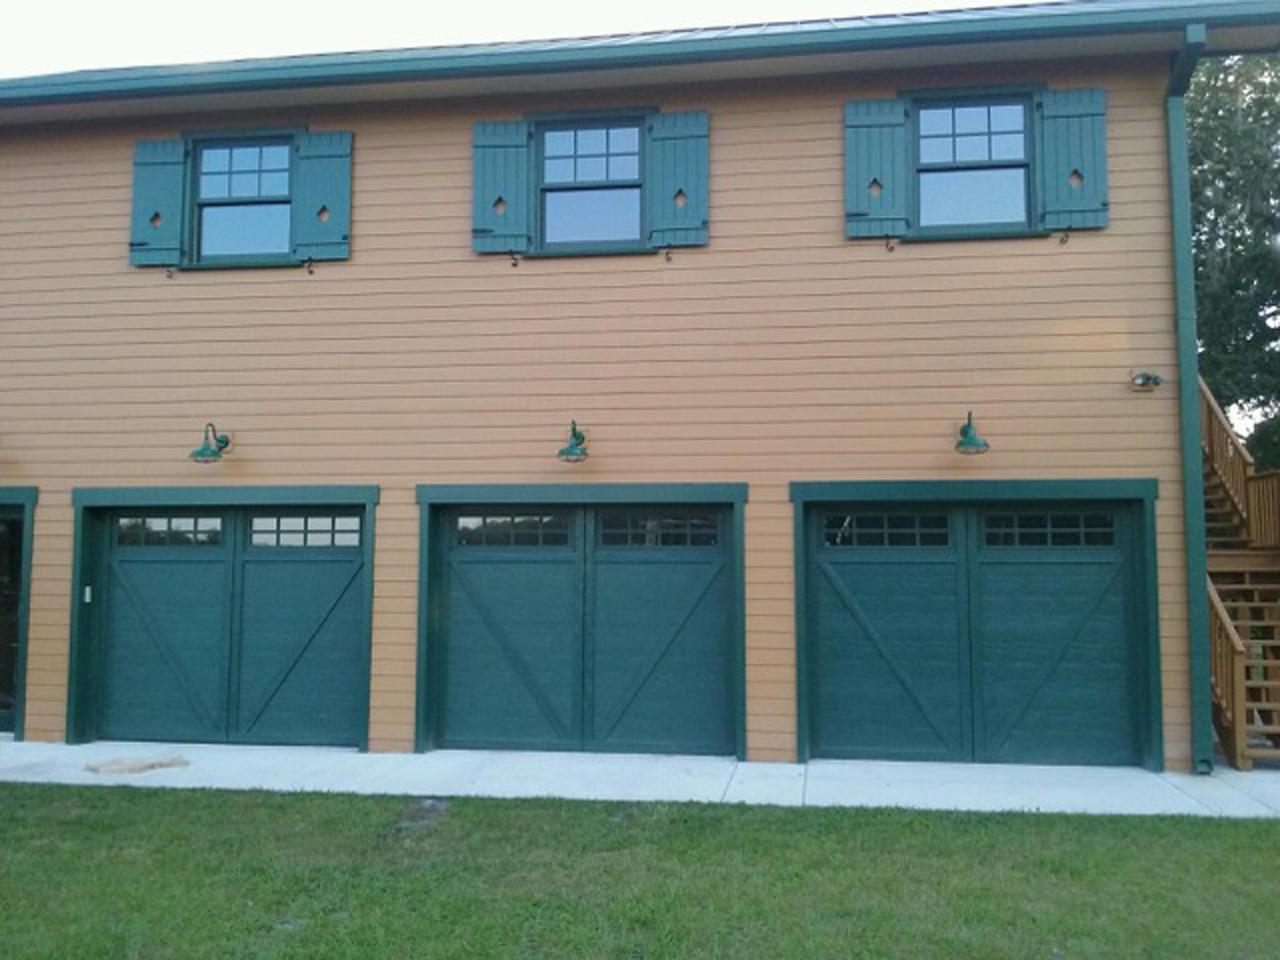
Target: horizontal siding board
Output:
[{"x": 780, "y": 351}]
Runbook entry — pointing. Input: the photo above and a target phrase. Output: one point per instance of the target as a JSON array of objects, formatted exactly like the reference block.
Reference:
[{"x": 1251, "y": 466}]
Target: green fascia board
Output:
[
  {"x": 222, "y": 496},
  {"x": 587, "y": 493},
  {"x": 988, "y": 25},
  {"x": 971, "y": 491},
  {"x": 19, "y": 496}
]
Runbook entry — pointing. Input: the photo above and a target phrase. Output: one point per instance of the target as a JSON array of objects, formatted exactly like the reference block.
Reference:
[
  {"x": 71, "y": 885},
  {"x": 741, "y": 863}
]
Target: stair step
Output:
[
  {"x": 1247, "y": 586},
  {"x": 1262, "y": 753},
  {"x": 1266, "y": 729},
  {"x": 1263, "y": 684}
]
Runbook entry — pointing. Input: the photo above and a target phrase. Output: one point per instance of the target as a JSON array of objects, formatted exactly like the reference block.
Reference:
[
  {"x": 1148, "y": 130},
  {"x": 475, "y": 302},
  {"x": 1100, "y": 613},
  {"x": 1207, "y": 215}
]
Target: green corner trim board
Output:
[
  {"x": 1071, "y": 18},
  {"x": 1184, "y": 286},
  {"x": 22, "y": 500}
]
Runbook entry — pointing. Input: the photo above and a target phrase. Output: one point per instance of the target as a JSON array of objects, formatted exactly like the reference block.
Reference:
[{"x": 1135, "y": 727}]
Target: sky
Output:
[{"x": 55, "y": 36}]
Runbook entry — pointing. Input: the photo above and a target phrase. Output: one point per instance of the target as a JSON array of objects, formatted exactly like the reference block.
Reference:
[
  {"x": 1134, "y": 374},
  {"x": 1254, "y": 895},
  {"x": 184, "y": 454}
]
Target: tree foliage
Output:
[{"x": 1233, "y": 113}]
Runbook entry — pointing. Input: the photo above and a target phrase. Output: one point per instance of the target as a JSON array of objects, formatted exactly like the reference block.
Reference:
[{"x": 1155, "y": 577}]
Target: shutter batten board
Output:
[
  {"x": 878, "y": 168},
  {"x": 677, "y": 179},
  {"x": 321, "y": 196},
  {"x": 1073, "y": 139},
  {"x": 502, "y": 210},
  {"x": 159, "y": 202}
]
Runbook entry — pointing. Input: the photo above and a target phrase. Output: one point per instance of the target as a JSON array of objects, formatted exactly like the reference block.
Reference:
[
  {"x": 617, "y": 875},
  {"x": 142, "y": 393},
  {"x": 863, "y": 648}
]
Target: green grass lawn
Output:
[{"x": 105, "y": 872}]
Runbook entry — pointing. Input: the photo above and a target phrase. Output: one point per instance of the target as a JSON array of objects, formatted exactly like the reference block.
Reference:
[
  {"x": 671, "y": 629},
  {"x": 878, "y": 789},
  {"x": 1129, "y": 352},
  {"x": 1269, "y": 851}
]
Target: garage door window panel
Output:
[{"x": 321, "y": 530}]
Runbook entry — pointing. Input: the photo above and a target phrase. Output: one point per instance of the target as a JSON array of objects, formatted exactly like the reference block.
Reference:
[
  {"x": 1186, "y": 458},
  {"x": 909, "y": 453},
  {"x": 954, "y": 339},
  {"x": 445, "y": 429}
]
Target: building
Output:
[{"x": 778, "y": 278}]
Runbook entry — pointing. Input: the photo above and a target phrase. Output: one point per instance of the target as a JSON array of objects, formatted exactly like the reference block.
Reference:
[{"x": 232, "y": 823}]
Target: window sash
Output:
[
  {"x": 582, "y": 186},
  {"x": 199, "y": 203}
]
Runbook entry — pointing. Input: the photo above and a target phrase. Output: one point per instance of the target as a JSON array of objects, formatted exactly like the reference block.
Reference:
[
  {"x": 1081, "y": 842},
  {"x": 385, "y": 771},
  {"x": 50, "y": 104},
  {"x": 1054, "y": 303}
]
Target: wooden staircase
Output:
[{"x": 1242, "y": 531}]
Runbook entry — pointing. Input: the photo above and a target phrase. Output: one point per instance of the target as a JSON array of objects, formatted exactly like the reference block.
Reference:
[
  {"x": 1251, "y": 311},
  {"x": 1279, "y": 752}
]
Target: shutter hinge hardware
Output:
[
  {"x": 515, "y": 258},
  {"x": 1065, "y": 238},
  {"x": 666, "y": 254},
  {"x": 890, "y": 244},
  {"x": 309, "y": 265}
]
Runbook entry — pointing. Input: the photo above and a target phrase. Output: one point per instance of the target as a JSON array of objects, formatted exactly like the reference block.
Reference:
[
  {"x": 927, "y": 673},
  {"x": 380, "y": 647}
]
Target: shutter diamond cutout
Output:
[
  {"x": 680, "y": 199},
  {"x": 156, "y": 220},
  {"x": 323, "y": 214},
  {"x": 874, "y": 188},
  {"x": 1076, "y": 179},
  {"x": 500, "y": 206}
]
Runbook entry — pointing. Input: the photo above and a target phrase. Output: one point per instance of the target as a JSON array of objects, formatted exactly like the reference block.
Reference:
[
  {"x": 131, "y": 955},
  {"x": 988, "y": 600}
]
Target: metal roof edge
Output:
[{"x": 1038, "y": 21}]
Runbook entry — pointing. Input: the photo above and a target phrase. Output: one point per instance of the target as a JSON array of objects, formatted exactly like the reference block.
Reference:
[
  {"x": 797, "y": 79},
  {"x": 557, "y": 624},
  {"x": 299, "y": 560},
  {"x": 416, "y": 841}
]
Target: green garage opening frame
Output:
[
  {"x": 24, "y": 500},
  {"x": 433, "y": 497},
  {"x": 88, "y": 550},
  {"x": 1140, "y": 493}
]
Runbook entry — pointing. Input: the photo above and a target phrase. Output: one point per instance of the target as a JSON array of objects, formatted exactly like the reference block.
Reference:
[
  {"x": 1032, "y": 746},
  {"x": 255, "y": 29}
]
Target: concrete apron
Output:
[{"x": 630, "y": 777}]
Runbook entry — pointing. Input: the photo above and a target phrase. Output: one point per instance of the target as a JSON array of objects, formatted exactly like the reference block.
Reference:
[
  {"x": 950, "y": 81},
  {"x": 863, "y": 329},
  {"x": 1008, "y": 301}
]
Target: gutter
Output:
[{"x": 1184, "y": 286}]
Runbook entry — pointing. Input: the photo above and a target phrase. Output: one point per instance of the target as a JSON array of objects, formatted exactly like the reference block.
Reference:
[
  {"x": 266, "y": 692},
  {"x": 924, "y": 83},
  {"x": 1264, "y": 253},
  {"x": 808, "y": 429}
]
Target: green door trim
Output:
[
  {"x": 89, "y": 506},
  {"x": 1141, "y": 493},
  {"x": 23, "y": 500},
  {"x": 434, "y": 499}
]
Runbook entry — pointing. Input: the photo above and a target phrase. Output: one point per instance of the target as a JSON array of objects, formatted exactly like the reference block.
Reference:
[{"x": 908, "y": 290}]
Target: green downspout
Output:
[{"x": 1184, "y": 281}]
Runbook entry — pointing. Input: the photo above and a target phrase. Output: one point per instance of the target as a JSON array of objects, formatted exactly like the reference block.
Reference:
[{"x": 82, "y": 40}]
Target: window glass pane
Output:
[
  {"x": 319, "y": 538},
  {"x": 157, "y": 531},
  {"x": 215, "y": 160},
  {"x": 214, "y": 186},
  {"x": 275, "y": 158},
  {"x": 557, "y": 170},
  {"x": 936, "y": 150},
  {"x": 624, "y": 168},
  {"x": 591, "y": 168},
  {"x": 591, "y": 141},
  {"x": 971, "y": 119},
  {"x": 1007, "y": 117},
  {"x": 245, "y": 158},
  {"x": 244, "y": 184},
  {"x": 1008, "y": 146},
  {"x": 274, "y": 184},
  {"x": 264, "y": 523},
  {"x": 292, "y": 539},
  {"x": 346, "y": 539},
  {"x": 971, "y": 148},
  {"x": 624, "y": 140},
  {"x": 470, "y": 530},
  {"x": 586, "y": 216},
  {"x": 292, "y": 523},
  {"x": 244, "y": 229},
  {"x": 319, "y": 523},
  {"x": 973, "y": 196},
  {"x": 934, "y": 122},
  {"x": 558, "y": 143}
]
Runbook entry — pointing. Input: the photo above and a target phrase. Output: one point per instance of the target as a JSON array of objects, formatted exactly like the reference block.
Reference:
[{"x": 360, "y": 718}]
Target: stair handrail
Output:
[
  {"x": 1229, "y": 658},
  {"x": 1264, "y": 509},
  {"x": 1227, "y": 455}
]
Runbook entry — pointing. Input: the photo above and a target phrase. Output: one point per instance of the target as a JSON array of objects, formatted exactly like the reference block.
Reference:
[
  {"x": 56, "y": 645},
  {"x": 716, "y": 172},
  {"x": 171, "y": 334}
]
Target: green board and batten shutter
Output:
[
  {"x": 878, "y": 172},
  {"x": 502, "y": 208},
  {"x": 322, "y": 196},
  {"x": 1073, "y": 162},
  {"x": 677, "y": 179},
  {"x": 159, "y": 201}
]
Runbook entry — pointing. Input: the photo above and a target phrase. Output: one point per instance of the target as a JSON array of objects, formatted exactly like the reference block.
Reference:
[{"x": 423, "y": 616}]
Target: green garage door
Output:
[
  {"x": 586, "y": 629},
  {"x": 1002, "y": 634},
  {"x": 246, "y": 626}
]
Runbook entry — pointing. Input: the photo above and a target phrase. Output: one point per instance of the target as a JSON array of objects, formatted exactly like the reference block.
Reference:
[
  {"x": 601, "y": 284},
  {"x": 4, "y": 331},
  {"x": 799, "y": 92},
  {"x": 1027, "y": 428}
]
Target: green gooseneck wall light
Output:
[
  {"x": 211, "y": 446},
  {"x": 969, "y": 443},
  {"x": 575, "y": 451}
]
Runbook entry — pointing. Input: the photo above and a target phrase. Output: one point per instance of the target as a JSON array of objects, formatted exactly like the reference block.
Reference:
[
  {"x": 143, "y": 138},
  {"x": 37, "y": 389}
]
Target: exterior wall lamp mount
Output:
[
  {"x": 969, "y": 442},
  {"x": 212, "y": 445},
  {"x": 575, "y": 451}
]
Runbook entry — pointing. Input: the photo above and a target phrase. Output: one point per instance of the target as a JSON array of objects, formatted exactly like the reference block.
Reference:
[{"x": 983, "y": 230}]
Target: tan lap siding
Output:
[{"x": 778, "y": 352}]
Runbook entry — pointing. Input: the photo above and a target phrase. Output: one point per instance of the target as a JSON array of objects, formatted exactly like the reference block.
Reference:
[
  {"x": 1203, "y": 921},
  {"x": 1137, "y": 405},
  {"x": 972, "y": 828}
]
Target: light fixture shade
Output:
[
  {"x": 969, "y": 443},
  {"x": 575, "y": 451},
  {"x": 212, "y": 444}
]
